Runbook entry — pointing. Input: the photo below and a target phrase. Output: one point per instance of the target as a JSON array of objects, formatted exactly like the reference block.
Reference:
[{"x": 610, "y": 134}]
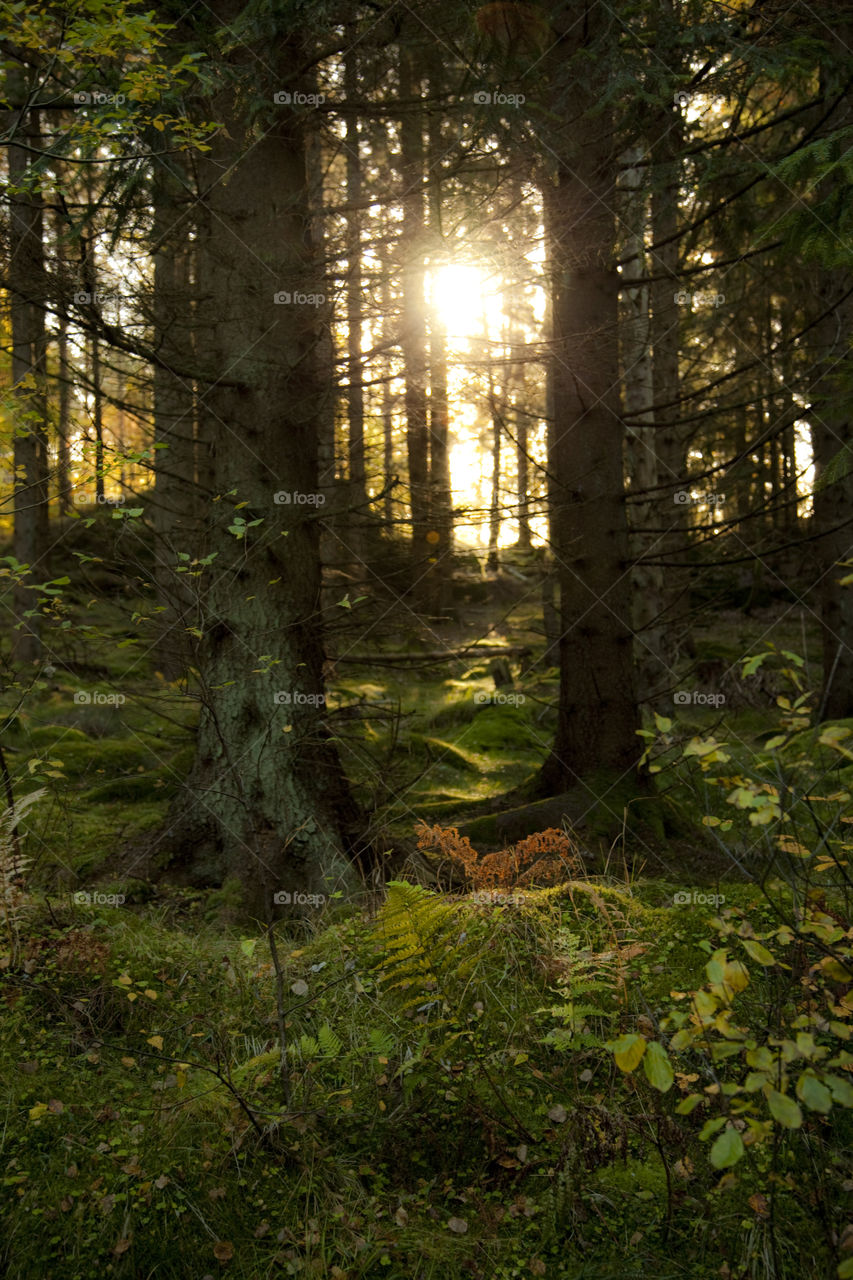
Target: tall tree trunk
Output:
[
  {"x": 355, "y": 301},
  {"x": 653, "y": 671},
  {"x": 522, "y": 484},
  {"x": 597, "y": 712},
  {"x": 266, "y": 799},
  {"x": 414, "y": 313},
  {"x": 670, "y": 437},
  {"x": 97, "y": 415},
  {"x": 492, "y": 561},
  {"x": 440, "y": 533},
  {"x": 174, "y": 430},
  {"x": 831, "y": 418},
  {"x": 26, "y": 294},
  {"x": 63, "y": 418}
]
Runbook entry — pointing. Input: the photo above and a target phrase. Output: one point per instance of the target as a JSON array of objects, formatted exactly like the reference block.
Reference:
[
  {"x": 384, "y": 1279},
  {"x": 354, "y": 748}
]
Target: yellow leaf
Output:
[
  {"x": 125, "y": 980},
  {"x": 128, "y": 1062},
  {"x": 758, "y": 952},
  {"x": 628, "y": 1051},
  {"x": 152, "y": 995},
  {"x": 38, "y": 1110},
  {"x": 156, "y": 1041}
]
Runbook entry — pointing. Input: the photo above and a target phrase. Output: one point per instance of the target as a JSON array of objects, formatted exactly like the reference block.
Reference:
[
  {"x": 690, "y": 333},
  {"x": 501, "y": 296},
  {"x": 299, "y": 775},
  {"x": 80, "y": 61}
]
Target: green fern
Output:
[
  {"x": 329, "y": 1041},
  {"x": 13, "y": 867},
  {"x": 584, "y": 989},
  {"x": 326, "y": 1044},
  {"x": 381, "y": 1043},
  {"x": 419, "y": 937}
]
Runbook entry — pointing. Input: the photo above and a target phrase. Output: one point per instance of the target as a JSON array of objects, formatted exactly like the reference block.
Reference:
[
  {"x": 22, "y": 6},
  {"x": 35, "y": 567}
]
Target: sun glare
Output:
[{"x": 459, "y": 292}]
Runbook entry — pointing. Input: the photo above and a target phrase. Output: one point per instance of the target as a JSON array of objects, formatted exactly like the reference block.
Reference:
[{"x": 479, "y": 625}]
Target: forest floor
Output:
[{"x": 459, "y": 1095}]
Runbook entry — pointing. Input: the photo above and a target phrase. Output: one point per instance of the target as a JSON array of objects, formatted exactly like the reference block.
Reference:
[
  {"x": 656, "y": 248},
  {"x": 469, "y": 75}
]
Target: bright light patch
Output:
[{"x": 458, "y": 291}]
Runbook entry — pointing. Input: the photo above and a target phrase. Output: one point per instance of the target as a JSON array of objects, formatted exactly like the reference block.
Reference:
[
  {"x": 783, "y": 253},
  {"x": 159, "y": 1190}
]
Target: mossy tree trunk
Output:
[
  {"x": 266, "y": 800},
  {"x": 26, "y": 296}
]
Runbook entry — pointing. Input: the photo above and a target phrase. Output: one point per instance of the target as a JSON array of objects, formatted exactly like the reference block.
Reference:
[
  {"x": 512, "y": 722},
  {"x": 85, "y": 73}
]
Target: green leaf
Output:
[
  {"x": 842, "y": 1090},
  {"x": 751, "y": 665},
  {"x": 845, "y": 1269},
  {"x": 727, "y": 1150},
  {"x": 758, "y": 952},
  {"x": 784, "y": 1110},
  {"x": 813, "y": 1093},
  {"x": 657, "y": 1067}
]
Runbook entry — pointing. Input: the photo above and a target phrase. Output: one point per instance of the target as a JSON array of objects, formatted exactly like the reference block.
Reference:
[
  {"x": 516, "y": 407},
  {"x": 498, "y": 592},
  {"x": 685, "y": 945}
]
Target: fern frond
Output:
[
  {"x": 418, "y": 934},
  {"x": 381, "y": 1043},
  {"x": 13, "y": 865},
  {"x": 329, "y": 1041}
]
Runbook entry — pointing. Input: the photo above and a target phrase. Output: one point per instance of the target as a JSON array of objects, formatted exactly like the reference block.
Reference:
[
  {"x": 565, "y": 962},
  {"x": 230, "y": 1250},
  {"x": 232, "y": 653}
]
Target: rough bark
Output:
[
  {"x": 266, "y": 800},
  {"x": 414, "y": 338},
  {"x": 597, "y": 712},
  {"x": 26, "y": 294},
  {"x": 832, "y": 443},
  {"x": 354, "y": 290},
  {"x": 653, "y": 671},
  {"x": 172, "y": 507}
]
